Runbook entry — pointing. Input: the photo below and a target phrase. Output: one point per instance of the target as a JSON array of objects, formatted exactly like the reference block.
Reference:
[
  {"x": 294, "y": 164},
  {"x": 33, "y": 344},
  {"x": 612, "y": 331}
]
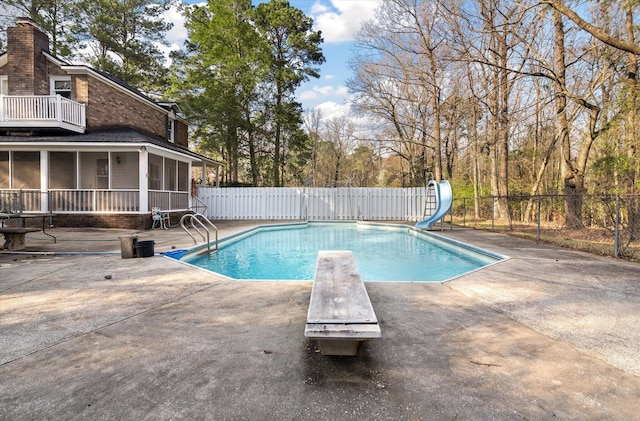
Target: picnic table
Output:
[
  {"x": 20, "y": 218},
  {"x": 14, "y": 237}
]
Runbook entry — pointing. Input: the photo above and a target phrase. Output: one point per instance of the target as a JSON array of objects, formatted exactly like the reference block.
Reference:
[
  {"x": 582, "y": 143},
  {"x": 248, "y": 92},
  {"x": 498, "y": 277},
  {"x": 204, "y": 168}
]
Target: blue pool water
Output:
[{"x": 381, "y": 252}]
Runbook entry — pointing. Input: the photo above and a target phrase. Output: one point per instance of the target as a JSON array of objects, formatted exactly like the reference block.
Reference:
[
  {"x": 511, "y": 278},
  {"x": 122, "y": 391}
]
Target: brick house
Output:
[{"x": 85, "y": 146}]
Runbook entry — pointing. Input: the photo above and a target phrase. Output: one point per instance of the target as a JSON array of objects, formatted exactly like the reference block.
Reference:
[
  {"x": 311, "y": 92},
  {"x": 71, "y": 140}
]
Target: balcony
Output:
[{"x": 42, "y": 112}]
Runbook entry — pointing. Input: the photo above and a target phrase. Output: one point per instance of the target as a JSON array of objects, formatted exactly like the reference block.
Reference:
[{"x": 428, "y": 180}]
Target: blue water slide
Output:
[{"x": 444, "y": 199}]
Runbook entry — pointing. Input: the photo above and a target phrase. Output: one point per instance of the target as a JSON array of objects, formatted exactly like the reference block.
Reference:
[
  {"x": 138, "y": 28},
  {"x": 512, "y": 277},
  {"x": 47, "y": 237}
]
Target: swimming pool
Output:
[{"x": 383, "y": 252}]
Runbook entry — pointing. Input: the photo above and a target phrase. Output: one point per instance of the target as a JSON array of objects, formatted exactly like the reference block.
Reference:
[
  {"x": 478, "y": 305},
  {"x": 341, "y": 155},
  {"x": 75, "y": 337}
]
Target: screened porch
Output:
[{"x": 57, "y": 181}]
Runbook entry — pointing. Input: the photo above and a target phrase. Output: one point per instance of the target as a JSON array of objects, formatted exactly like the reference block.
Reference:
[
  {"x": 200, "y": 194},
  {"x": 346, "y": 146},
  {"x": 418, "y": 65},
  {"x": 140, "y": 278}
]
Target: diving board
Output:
[{"x": 340, "y": 316}]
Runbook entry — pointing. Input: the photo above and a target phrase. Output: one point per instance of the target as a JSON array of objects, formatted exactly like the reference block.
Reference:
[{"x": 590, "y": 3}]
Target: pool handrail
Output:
[{"x": 197, "y": 218}]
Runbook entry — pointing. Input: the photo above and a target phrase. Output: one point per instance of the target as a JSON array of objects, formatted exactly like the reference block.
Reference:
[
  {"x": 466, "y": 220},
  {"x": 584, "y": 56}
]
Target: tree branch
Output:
[{"x": 592, "y": 29}]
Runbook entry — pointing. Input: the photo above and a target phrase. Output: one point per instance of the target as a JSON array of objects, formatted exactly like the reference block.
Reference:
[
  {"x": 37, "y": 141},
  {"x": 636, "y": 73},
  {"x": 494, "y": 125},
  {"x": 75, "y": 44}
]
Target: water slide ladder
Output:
[{"x": 200, "y": 224}]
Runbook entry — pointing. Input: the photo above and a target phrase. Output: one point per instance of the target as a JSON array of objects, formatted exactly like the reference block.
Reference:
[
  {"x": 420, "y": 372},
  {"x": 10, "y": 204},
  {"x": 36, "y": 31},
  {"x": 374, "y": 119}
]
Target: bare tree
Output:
[
  {"x": 400, "y": 74},
  {"x": 340, "y": 137},
  {"x": 312, "y": 121},
  {"x": 490, "y": 41},
  {"x": 603, "y": 34}
]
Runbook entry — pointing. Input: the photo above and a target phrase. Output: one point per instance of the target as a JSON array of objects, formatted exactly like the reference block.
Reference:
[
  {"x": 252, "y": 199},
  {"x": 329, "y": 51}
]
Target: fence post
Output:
[
  {"x": 493, "y": 213},
  {"x": 616, "y": 243},
  {"x": 451, "y": 219},
  {"x": 464, "y": 211},
  {"x": 539, "y": 218}
]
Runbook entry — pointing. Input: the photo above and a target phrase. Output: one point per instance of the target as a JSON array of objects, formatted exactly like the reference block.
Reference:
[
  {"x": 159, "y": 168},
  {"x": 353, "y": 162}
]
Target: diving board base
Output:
[
  {"x": 340, "y": 347},
  {"x": 341, "y": 339}
]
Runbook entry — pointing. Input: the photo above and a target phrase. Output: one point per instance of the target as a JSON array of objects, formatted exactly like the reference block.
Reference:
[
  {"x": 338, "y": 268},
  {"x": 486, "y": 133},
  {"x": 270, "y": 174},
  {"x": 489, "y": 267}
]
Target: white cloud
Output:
[
  {"x": 343, "y": 18},
  {"x": 342, "y": 90},
  {"x": 323, "y": 91},
  {"x": 363, "y": 124},
  {"x": 178, "y": 33},
  {"x": 318, "y": 8},
  {"x": 332, "y": 110},
  {"x": 308, "y": 95}
]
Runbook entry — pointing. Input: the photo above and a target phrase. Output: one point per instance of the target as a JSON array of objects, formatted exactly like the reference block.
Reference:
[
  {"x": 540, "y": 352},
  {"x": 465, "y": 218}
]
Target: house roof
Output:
[
  {"x": 121, "y": 137},
  {"x": 74, "y": 69},
  {"x": 109, "y": 79}
]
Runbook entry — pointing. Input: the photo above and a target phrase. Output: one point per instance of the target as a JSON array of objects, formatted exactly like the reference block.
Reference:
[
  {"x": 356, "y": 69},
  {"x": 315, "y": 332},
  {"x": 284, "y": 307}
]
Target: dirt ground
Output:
[{"x": 600, "y": 241}]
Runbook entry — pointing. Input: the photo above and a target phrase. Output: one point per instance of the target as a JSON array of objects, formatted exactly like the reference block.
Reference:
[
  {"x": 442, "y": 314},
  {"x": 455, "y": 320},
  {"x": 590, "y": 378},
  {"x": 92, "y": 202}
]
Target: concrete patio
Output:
[{"x": 549, "y": 334}]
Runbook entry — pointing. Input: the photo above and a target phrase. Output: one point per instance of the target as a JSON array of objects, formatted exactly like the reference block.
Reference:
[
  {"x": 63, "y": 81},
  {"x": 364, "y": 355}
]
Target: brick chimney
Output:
[{"x": 26, "y": 64}]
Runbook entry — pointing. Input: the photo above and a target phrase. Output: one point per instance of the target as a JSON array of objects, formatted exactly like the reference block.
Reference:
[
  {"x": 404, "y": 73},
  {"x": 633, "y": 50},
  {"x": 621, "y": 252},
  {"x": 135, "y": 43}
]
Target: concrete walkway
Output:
[{"x": 549, "y": 334}]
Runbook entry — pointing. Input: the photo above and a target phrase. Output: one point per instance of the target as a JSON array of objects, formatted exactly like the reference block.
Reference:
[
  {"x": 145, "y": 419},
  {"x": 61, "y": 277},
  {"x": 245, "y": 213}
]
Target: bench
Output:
[
  {"x": 14, "y": 237},
  {"x": 340, "y": 315}
]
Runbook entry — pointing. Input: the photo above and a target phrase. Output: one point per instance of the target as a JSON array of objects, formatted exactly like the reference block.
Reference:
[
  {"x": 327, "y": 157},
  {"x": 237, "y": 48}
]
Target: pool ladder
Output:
[{"x": 202, "y": 226}]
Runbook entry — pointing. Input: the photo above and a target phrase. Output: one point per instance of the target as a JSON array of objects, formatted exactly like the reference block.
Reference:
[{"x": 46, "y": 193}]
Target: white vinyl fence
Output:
[{"x": 291, "y": 203}]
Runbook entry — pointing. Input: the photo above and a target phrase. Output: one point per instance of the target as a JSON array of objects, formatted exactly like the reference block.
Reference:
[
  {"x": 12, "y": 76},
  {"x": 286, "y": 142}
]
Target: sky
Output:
[{"x": 339, "y": 20}]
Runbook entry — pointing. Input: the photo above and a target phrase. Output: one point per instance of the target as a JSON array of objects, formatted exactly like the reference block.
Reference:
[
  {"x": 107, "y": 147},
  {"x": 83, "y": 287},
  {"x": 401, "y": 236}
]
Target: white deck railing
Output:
[
  {"x": 88, "y": 200},
  {"x": 94, "y": 200},
  {"x": 42, "y": 111},
  {"x": 16, "y": 201},
  {"x": 168, "y": 200}
]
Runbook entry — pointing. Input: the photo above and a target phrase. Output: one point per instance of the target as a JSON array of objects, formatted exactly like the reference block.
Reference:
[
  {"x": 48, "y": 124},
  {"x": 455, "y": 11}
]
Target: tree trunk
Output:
[
  {"x": 276, "y": 140},
  {"x": 572, "y": 182},
  {"x": 476, "y": 149},
  {"x": 437, "y": 140},
  {"x": 232, "y": 151},
  {"x": 631, "y": 135},
  {"x": 541, "y": 171},
  {"x": 537, "y": 181},
  {"x": 503, "y": 121},
  {"x": 253, "y": 160},
  {"x": 420, "y": 178},
  {"x": 476, "y": 165},
  {"x": 632, "y": 103},
  {"x": 497, "y": 102}
]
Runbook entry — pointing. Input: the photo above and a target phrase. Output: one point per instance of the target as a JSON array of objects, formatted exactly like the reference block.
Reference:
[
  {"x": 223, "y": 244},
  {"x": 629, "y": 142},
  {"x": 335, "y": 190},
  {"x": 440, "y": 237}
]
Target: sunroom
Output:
[{"x": 102, "y": 175}]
